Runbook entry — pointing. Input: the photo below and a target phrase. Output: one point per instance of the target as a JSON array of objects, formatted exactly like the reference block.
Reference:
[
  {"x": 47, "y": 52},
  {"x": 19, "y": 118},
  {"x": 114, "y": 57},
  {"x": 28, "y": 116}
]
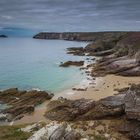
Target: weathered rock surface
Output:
[
  {"x": 132, "y": 103},
  {"x": 120, "y": 52},
  {"x": 72, "y": 63},
  {"x": 125, "y": 105},
  {"x": 80, "y": 51},
  {"x": 125, "y": 59},
  {"x": 56, "y": 131},
  {"x": 68, "y": 110},
  {"x": 21, "y": 102},
  {"x": 84, "y": 109}
]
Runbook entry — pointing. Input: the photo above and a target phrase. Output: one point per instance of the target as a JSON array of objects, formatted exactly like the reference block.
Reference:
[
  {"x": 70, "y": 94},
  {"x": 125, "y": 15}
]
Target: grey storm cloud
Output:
[{"x": 73, "y": 15}]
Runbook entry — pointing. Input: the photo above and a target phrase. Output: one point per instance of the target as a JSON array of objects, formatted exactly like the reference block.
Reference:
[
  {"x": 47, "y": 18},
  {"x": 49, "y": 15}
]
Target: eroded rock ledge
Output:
[
  {"x": 124, "y": 106},
  {"x": 72, "y": 63},
  {"x": 21, "y": 102},
  {"x": 120, "y": 54}
]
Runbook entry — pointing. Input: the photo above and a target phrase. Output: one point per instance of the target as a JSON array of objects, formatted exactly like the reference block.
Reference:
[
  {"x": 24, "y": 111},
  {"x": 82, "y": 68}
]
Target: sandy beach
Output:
[{"x": 100, "y": 88}]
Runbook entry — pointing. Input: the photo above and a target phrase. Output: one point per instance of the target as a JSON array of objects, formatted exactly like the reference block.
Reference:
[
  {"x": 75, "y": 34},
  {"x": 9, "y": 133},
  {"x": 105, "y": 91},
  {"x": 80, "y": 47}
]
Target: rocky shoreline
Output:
[
  {"x": 20, "y": 102},
  {"x": 123, "y": 106},
  {"x": 71, "y": 63},
  {"x": 120, "y": 55},
  {"x": 115, "y": 117}
]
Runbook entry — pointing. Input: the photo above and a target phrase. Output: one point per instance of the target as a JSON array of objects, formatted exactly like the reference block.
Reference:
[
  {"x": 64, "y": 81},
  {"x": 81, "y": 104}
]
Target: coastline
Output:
[
  {"x": 38, "y": 114},
  {"x": 101, "y": 88},
  {"x": 108, "y": 92}
]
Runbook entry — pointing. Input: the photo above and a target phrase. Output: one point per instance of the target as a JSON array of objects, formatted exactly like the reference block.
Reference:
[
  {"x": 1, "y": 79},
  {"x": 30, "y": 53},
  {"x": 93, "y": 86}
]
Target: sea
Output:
[{"x": 28, "y": 63}]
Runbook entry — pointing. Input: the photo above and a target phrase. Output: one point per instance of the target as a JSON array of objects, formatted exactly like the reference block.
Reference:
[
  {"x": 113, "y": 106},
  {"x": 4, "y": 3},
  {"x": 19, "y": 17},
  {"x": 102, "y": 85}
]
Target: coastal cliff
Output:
[{"x": 79, "y": 36}]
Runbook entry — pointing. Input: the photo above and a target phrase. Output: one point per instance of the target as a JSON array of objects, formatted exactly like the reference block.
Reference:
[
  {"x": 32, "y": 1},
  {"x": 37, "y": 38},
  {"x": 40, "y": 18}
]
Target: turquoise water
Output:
[{"x": 28, "y": 63}]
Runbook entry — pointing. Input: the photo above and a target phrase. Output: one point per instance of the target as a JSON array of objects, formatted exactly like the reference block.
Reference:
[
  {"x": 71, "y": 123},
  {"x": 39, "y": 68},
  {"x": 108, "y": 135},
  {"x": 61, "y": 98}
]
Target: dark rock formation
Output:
[
  {"x": 79, "y": 89},
  {"x": 72, "y": 63},
  {"x": 86, "y": 109},
  {"x": 80, "y": 51},
  {"x": 68, "y": 110},
  {"x": 124, "y": 59},
  {"x": 21, "y": 102},
  {"x": 3, "y": 36}
]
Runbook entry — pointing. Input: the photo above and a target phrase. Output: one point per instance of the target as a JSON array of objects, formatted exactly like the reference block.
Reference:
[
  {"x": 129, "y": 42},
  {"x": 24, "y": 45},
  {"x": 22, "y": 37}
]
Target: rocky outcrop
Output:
[
  {"x": 56, "y": 131},
  {"x": 72, "y": 63},
  {"x": 3, "y": 36},
  {"x": 124, "y": 105},
  {"x": 84, "y": 109},
  {"x": 124, "y": 60},
  {"x": 120, "y": 66},
  {"x": 67, "y": 109},
  {"x": 21, "y": 102},
  {"x": 137, "y": 57},
  {"x": 80, "y": 51},
  {"x": 120, "y": 53}
]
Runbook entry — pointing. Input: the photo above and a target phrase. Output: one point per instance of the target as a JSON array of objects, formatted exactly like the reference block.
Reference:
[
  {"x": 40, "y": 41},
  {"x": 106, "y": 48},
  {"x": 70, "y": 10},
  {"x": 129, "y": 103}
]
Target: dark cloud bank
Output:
[{"x": 71, "y": 15}]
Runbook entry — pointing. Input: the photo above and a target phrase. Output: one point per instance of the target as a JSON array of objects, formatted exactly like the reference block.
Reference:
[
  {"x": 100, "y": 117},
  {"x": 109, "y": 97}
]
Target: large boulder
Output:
[
  {"x": 56, "y": 131},
  {"x": 72, "y": 63}
]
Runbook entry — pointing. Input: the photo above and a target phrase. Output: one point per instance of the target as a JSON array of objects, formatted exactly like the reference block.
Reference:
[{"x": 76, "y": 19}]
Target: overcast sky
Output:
[{"x": 71, "y": 15}]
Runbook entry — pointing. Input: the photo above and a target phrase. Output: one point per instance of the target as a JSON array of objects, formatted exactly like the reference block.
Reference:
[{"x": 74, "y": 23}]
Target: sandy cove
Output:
[
  {"x": 120, "y": 56},
  {"x": 101, "y": 88}
]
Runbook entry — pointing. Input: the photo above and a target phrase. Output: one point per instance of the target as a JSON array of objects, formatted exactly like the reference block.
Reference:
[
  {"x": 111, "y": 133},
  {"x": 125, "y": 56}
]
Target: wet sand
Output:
[{"x": 100, "y": 88}]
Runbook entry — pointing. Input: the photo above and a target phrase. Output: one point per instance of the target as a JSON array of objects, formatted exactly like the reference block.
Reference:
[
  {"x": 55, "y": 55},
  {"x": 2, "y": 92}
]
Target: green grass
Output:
[
  {"x": 13, "y": 133},
  {"x": 98, "y": 137}
]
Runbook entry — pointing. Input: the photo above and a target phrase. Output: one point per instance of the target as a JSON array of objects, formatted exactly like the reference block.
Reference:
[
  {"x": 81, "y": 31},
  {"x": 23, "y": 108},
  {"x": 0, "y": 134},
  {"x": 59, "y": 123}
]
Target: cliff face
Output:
[{"x": 79, "y": 36}]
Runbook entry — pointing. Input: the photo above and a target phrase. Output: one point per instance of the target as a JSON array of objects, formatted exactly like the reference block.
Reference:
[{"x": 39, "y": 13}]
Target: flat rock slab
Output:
[{"x": 22, "y": 102}]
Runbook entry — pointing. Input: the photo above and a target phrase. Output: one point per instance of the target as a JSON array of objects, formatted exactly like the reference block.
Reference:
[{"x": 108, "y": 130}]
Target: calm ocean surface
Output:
[{"x": 28, "y": 63}]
